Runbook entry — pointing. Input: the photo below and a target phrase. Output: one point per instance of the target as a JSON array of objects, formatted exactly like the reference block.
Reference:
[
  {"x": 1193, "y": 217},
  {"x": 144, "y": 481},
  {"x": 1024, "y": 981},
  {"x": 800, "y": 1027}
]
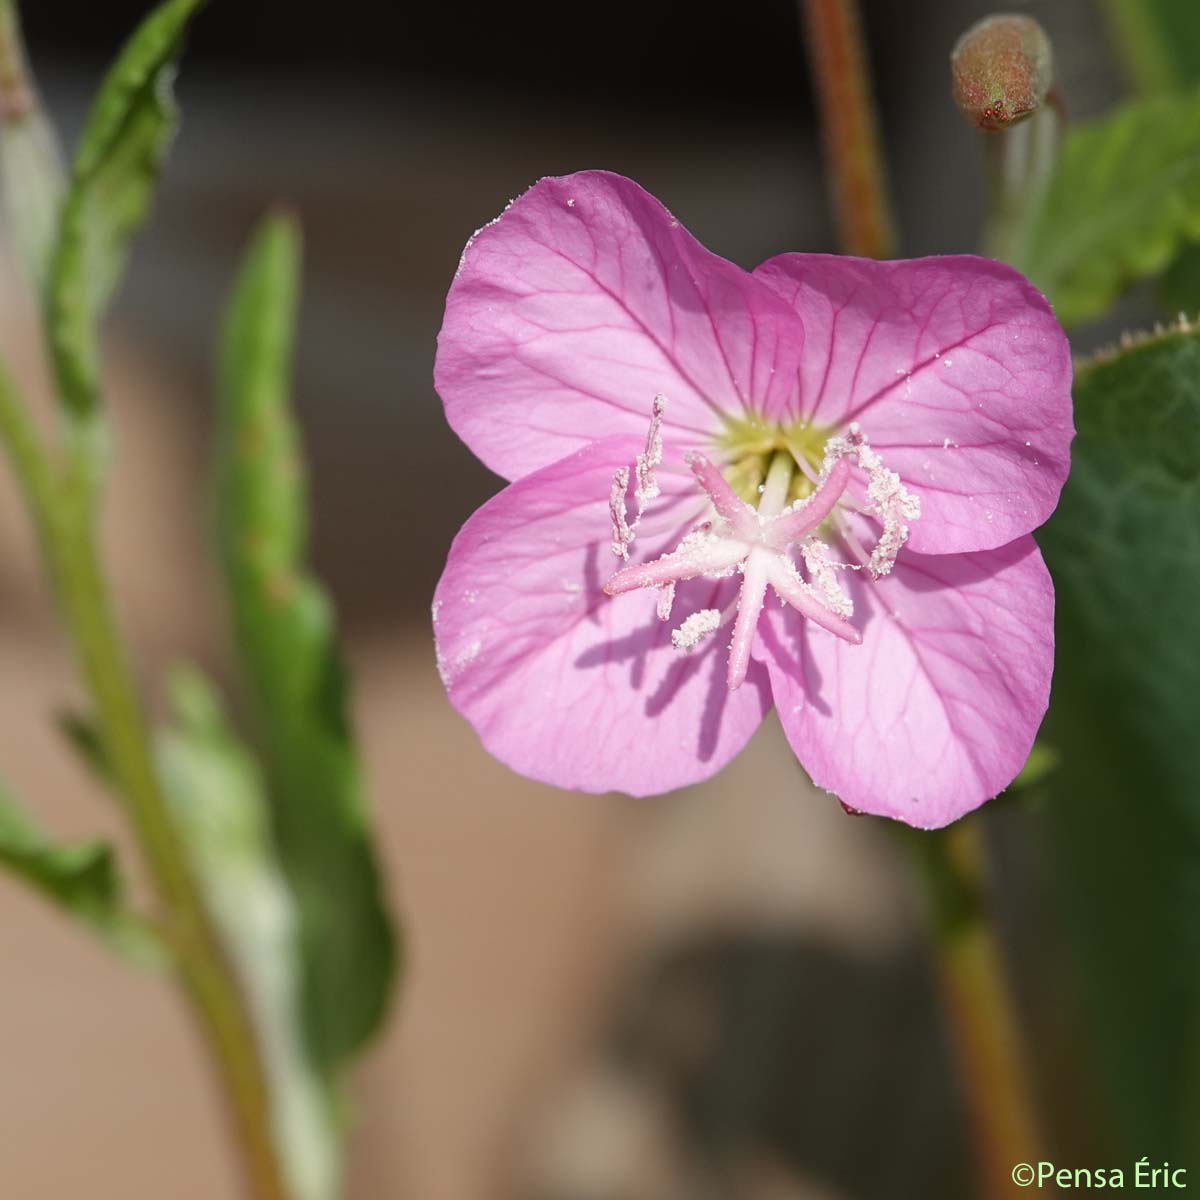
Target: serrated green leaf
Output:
[
  {"x": 288, "y": 647},
  {"x": 1123, "y": 817},
  {"x": 218, "y": 797},
  {"x": 112, "y": 183},
  {"x": 1122, "y": 201},
  {"x": 80, "y": 877}
]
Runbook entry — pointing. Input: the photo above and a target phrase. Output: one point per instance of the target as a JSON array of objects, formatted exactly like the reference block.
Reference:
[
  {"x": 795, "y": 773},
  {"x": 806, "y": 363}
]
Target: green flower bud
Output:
[{"x": 1002, "y": 68}]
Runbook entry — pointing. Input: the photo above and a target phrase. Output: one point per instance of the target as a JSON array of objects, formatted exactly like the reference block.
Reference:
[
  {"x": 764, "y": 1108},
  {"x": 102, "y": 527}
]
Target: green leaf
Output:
[
  {"x": 1122, "y": 201},
  {"x": 288, "y": 646},
  {"x": 1038, "y": 766},
  {"x": 218, "y": 797},
  {"x": 1180, "y": 285},
  {"x": 81, "y": 878},
  {"x": 29, "y": 156},
  {"x": 1159, "y": 39},
  {"x": 84, "y": 737},
  {"x": 1123, "y": 815},
  {"x": 116, "y": 167}
]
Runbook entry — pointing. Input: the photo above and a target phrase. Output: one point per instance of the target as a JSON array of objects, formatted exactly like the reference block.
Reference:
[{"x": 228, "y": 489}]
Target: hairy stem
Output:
[
  {"x": 62, "y": 513},
  {"x": 858, "y": 181},
  {"x": 978, "y": 1005}
]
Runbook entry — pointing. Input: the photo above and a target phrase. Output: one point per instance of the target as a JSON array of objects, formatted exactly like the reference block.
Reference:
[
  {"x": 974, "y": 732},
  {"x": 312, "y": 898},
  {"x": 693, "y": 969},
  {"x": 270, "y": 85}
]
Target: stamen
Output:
[
  {"x": 666, "y": 600},
  {"x": 645, "y": 483},
  {"x": 889, "y": 500},
  {"x": 622, "y": 534},
  {"x": 760, "y": 542},
  {"x": 819, "y": 560},
  {"x": 696, "y": 628},
  {"x": 857, "y": 550}
]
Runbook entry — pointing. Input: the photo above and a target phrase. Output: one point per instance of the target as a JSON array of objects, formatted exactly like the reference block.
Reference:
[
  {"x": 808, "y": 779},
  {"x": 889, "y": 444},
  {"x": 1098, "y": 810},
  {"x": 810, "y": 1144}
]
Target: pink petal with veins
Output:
[
  {"x": 937, "y": 709},
  {"x": 583, "y": 301},
  {"x": 563, "y": 683},
  {"x": 957, "y": 371}
]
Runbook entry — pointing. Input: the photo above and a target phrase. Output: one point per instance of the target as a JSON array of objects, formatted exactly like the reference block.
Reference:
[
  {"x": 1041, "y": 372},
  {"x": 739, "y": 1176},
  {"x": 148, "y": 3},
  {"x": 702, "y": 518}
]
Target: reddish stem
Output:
[
  {"x": 858, "y": 181},
  {"x": 983, "y": 1020}
]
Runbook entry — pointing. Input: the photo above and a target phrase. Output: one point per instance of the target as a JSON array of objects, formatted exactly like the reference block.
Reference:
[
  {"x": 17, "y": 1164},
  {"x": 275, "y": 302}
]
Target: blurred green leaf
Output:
[
  {"x": 287, "y": 643},
  {"x": 1180, "y": 285},
  {"x": 1122, "y": 201},
  {"x": 1160, "y": 40},
  {"x": 1123, "y": 818},
  {"x": 83, "y": 736},
  {"x": 29, "y": 156},
  {"x": 109, "y": 193},
  {"x": 218, "y": 797},
  {"x": 1038, "y": 766},
  {"x": 80, "y": 877}
]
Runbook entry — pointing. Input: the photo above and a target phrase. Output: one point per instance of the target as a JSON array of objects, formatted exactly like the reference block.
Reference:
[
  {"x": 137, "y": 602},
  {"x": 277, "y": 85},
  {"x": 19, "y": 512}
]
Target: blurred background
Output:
[{"x": 722, "y": 993}]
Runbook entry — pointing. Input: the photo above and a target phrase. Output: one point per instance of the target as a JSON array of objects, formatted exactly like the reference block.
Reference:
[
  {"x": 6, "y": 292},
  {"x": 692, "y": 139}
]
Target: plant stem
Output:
[
  {"x": 1018, "y": 162},
  {"x": 858, "y": 181},
  {"x": 969, "y": 962},
  {"x": 978, "y": 1005},
  {"x": 62, "y": 514}
]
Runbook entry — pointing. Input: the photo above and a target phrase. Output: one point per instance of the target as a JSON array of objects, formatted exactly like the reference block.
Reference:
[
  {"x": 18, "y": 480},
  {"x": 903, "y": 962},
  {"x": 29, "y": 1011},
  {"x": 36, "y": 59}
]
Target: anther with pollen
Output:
[{"x": 759, "y": 543}]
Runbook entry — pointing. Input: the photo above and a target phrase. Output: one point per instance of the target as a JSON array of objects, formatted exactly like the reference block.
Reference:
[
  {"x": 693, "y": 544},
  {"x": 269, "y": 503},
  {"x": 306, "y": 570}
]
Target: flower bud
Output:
[{"x": 1001, "y": 68}]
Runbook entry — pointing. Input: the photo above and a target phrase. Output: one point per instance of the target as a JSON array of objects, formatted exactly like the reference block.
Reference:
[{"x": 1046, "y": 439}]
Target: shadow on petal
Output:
[
  {"x": 650, "y": 643},
  {"x": 795, "y": 660}
]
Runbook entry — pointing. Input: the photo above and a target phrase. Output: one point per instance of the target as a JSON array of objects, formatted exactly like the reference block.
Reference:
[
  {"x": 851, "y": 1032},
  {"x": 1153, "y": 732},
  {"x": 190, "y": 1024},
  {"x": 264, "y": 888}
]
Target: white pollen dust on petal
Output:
[{"x": 452, "y": 666}]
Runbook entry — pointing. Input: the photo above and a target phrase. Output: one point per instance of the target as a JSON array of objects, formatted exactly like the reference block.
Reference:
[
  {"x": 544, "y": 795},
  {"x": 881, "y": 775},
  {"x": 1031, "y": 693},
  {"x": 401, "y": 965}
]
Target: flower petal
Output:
[
  {"x": 959, "y": 375},
  {"x": 937, "y": 709},
  {"x": 563, "y": 683},
  {"x": 583, "y": 301}
]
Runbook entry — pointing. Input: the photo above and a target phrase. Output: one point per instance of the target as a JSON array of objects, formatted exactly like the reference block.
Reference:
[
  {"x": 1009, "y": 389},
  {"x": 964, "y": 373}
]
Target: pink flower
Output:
[{"x": 672, "y": 422}]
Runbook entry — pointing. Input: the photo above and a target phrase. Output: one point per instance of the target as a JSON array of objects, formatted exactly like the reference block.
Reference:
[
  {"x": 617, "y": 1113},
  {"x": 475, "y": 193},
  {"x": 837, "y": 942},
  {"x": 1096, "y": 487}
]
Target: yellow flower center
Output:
[{"x": 750, "y": 443}]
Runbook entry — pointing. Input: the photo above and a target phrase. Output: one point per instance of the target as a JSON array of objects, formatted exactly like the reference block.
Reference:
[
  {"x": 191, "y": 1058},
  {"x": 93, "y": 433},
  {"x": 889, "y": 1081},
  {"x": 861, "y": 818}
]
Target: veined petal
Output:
[
  {"x": 568, "y": 685},
  {"x": 937, "y": 709},
  {"x": 583, "y": 301},
  {"x": 957, "y": 371}
]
